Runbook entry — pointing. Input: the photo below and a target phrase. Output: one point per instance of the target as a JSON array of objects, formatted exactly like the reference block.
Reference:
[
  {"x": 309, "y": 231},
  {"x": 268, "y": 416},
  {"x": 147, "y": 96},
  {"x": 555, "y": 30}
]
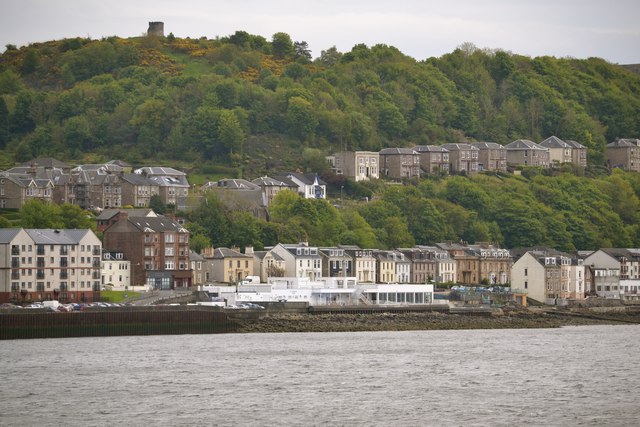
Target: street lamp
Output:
[{"x": 341, "y": 188}]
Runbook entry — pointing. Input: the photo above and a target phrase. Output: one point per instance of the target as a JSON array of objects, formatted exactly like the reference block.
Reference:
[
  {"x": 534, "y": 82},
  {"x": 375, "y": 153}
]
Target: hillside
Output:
[
  {"x": 246, "y": 106},
  {"x": 256, "y": 104}
]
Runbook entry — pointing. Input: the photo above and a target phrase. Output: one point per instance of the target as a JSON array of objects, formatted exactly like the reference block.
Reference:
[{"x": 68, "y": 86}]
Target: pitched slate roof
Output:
[
  {"x": 26, "y": 180},
  {"x": 194, "y": 256},
  {"x": 47, "y": 162},
  {"x": 159, "y": 170},
  {"x": 232, "y": 184},
  {"x": 430, "y": 148},
  {"x": 266, "y": 181},
  {"x": 305, "y": 178},
  {"x": 48, "y": 236},
  {"x": 132, "y": 213},
  {"x": 574, "y": 144},
  {"x": 221, "y": 253},
  {"x": 487, "y": 145},
  {"x": 8, "y": 234},
  {"x": 554, "y": 142},
  {"x": 624, "y": 142},
  {"x": 397, "y": 151},
  {"x": 157, "y": 224},
  {"x": 120, "y": 163},
  {"x": 135, "y": 179},
  {"x": 459, "y": 146},
  {"x": 524, "y": 144}
]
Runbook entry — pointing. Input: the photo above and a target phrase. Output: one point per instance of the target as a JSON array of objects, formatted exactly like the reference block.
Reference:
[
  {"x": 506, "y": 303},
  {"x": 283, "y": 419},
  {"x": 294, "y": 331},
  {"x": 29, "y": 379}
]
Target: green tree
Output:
[
  {"x": 157, "y": 205},
  {"x": 77, "y": 134},
  {"x": 213, "y": 217},
  {"x": 4, "y": 123},
  {"x": 302, "y": 50},
  {"x": 30, "y": 62},
  {"x": 230, "y": 132},
  {"x": 73, "y": 216},
  {"x": 282, "y": 46},
  {"x": 21, "y": 121},
  {"x": 301, "y": 118},
  {"x": 38, "y": 214}
]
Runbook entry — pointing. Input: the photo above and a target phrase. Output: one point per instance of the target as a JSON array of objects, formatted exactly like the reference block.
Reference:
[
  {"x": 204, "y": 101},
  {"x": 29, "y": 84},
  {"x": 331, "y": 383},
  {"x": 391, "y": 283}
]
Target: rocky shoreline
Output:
[{"x": 411, "y": 321}]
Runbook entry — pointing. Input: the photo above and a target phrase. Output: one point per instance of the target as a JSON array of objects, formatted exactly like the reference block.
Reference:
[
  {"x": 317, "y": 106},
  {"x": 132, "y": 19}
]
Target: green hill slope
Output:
[{"x": 256, "y": 104}]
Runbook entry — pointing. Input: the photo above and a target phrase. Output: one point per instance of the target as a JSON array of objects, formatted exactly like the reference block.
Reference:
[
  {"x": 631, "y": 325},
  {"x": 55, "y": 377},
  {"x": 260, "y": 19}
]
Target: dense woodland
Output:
[{"x": 245, "y": 106}]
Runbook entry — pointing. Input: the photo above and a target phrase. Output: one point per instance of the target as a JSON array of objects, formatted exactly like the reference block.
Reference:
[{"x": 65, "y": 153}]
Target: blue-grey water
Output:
[{"x": 569, "y": 376}]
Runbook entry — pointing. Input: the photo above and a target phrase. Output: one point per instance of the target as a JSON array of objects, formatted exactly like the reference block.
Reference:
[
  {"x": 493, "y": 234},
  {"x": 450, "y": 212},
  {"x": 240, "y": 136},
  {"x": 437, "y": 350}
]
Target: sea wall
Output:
[{"x": 156, "y": 321}]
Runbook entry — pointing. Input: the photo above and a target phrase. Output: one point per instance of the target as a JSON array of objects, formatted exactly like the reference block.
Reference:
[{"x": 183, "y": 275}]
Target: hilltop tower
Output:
[{"x": 156, "y": 29}]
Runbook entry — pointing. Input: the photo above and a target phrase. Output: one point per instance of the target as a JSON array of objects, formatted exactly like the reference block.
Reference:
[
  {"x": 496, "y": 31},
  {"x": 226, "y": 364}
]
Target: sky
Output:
[{"x": 419, "y": 28}]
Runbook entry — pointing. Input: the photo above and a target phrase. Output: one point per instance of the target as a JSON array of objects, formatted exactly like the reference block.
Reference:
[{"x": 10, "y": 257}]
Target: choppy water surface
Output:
[{"x": 569, "y": 376}]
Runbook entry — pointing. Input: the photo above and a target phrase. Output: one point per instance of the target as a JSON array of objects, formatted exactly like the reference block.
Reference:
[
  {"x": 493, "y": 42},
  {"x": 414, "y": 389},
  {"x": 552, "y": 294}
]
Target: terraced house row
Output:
[
  {"x": 115, "y": 184},
  {"x": 145, "y": 250}
]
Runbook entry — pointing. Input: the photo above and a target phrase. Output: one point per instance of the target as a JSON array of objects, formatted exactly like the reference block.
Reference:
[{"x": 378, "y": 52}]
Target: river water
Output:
[{"x": 571, "y": 376}]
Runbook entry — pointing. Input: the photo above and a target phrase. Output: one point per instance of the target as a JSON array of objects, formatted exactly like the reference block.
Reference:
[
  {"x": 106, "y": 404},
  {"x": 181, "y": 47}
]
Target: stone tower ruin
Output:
[{"x": 156, "y": 29}]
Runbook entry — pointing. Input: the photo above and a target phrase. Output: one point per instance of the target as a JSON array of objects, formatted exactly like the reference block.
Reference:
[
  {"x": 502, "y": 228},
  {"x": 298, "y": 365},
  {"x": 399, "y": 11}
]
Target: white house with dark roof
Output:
[
  {"x": 523, "y": 152},
  {"x": 309, "y": 185}
]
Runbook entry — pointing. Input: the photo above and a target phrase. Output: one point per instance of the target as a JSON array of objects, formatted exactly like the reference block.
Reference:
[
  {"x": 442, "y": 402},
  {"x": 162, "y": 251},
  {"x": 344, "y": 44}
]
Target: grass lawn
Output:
[{"x": 117, "y": 296}]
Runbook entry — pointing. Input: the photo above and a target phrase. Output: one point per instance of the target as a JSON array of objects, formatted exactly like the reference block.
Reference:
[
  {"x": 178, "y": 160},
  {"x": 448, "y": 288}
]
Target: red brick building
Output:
[{"x": 158, "y": 249}]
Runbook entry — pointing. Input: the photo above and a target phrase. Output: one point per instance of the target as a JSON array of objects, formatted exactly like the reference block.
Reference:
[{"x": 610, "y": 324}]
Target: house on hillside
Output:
[
  {"x": 433, "y": 158},
  {"x": 17, "y": 189},
  {"x": 491, "y": 156},
  {"x": 173, "y": 187},
  {"x": 560, "y": 152},
  {"x": 624, "y": 154},
  {"x": 137, "y": 190},
  {"x": 357, "y": 165},
  {"x": 270, "y": 187},
  {"x": 523, "y": 152},
  {"x": 399, "y": 163},
  {"x": 463, "y": 158},
  {"x": 308, "y": 185}
]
